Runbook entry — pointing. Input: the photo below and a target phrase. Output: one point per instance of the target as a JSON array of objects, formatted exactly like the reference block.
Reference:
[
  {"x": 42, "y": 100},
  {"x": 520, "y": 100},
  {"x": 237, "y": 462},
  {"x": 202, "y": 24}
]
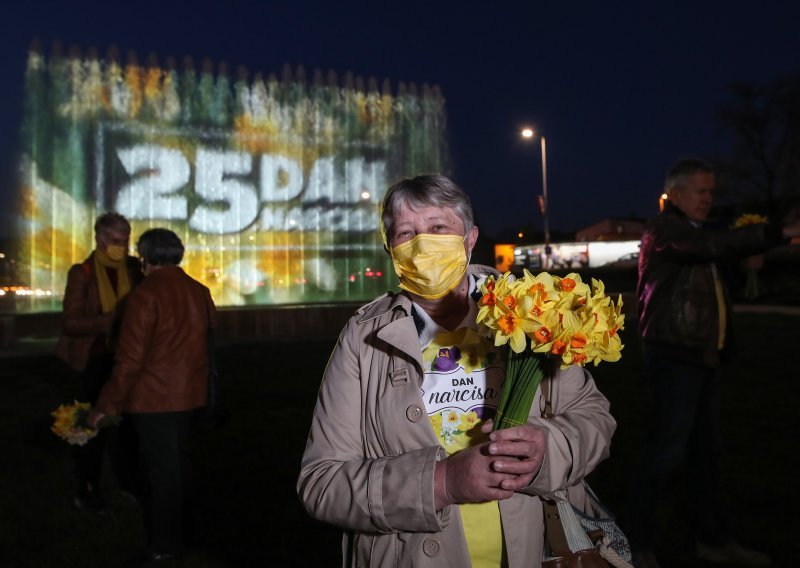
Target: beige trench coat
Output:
[{"x": 369, "y": 460}]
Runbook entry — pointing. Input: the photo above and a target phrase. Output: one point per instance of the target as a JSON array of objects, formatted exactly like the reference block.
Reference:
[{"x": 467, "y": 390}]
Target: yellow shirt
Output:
[{"x": 464, "y": 376}]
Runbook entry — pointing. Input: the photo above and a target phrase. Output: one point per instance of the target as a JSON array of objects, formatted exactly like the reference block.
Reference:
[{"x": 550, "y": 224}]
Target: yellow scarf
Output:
[{"x": 108, "y": 296}]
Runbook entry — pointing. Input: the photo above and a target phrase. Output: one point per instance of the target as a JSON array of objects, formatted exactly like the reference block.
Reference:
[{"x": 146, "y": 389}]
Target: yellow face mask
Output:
[
  {"x": 430, "y": 266},
  {"x": 116, "y": 252}
]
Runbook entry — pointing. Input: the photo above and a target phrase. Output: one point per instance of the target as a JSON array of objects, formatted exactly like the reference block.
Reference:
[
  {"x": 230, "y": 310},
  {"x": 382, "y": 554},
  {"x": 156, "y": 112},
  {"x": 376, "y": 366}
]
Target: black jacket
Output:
[{"x": 678, "y": 313}]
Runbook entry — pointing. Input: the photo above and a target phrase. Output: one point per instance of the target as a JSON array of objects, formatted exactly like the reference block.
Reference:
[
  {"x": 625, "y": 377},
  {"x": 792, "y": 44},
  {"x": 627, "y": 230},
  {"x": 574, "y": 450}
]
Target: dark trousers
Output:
[
  {"x": 163, "y": 443},
  {"x": 685, "y": 423},
  {"x": 120, "y": 440}
]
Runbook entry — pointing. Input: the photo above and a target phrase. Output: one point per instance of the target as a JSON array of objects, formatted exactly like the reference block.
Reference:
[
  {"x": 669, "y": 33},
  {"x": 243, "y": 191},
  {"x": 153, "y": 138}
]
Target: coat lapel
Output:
[{"x": 402, "y": 335}]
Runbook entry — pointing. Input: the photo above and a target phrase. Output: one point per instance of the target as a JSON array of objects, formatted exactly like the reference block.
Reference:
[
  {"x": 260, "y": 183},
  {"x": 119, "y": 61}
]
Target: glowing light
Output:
[
  {"x": 259, "y": 180},
  {"x": 527, "y": 133}
]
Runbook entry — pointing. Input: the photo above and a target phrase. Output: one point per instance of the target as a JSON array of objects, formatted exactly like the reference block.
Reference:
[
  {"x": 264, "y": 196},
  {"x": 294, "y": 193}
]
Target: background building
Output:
[{"x": 612, "y": 229}]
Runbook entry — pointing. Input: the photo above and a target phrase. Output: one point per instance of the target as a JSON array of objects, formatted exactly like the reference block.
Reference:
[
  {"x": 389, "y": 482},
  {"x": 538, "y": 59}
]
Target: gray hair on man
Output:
[
  {"x": 432, "y": 190},
  {"x": 679, "y": 174},
  {"x": 111, "y": 221}
]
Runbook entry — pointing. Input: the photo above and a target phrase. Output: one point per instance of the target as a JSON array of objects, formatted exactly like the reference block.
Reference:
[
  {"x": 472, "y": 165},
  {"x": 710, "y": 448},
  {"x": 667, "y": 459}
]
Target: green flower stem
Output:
[{"x": 524, "y": 373}]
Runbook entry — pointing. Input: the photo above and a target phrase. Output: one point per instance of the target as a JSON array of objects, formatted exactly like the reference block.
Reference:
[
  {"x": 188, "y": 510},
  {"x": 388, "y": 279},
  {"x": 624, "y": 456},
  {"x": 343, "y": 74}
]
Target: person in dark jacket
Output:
[
  {"x": 685, "y": 326},
  {"x": 94, "y": 302},
  {"x": 160, "y": 376}
]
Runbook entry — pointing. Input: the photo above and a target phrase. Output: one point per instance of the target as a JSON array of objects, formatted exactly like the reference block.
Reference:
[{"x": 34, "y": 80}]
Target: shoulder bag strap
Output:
[
  {"x": 546, "y": 402},
  {"x": 554, "y": 531}
]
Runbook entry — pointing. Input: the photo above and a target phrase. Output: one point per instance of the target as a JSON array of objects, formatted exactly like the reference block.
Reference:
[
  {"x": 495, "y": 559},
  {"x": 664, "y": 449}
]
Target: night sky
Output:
[{"x": 620, "y": 90}]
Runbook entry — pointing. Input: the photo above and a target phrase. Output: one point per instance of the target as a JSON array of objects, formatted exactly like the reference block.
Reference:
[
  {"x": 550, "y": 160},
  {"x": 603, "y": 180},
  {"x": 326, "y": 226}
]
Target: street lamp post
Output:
[
  {"x": 544, "y": 194},
  {"x": 528, "y": 133}
]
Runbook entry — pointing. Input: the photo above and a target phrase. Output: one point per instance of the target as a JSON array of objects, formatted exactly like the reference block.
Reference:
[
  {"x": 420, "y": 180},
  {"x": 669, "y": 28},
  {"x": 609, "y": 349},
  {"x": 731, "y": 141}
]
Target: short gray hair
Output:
[
  {"x": 158, "y": 247},
  {"x": 679, "y": 174},
  {"x": 111, "y": 221},
  {"x": 425, "y": 191}
]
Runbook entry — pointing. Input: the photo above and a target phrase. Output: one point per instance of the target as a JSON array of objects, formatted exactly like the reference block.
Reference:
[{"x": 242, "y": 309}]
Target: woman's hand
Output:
[
  {"x": 468, "y": 477},
  {"x": 520, "y": 451},
  {"x": 94, "y": 418},
  {"x": 492, "y": 471},
  {"x": 791, "y": 224}
]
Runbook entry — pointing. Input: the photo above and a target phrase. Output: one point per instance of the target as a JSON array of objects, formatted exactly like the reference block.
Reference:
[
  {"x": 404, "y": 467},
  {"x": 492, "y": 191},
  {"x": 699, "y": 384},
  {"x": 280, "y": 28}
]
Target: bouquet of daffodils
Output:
[
  {"x": 754, "y": 263},
  {"x": 546, "y": 316},
  {"x": 70, "y": 423},
  {"x": 748, "y": 219}
]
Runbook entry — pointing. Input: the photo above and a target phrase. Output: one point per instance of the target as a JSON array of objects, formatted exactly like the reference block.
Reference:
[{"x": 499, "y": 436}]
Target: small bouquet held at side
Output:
[
  {"x": 754, "y": 263},
  {"x": 546, "y": 316},
  {"x": 70, "y": 423},
  {"x": 749, "y": 219}
]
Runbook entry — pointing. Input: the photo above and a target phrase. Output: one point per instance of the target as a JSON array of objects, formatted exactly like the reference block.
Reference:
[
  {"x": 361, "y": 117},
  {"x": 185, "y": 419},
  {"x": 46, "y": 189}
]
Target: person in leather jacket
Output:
[
  {"x": 684, "y": 323},
  {"x": 160, "y": 376}
]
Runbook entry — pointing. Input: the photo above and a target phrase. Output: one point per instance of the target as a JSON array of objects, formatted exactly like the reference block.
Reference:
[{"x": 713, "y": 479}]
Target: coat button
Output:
[
  {"x": 414, "y": 413},
  {"x": 431, "y": 547}
]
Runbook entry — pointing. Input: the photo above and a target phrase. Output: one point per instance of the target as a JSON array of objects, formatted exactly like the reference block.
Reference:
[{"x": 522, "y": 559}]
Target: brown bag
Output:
[
  {"x": 582, "y": 559},
  {"x": 556, "y": 539},
  {"x": 557, "y": 543}
]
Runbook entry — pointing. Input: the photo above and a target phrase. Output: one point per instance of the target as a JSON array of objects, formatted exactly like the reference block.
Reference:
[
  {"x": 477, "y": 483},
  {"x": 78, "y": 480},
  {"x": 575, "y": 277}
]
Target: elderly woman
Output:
[
  {"x": 159, "y": 378},
  {"x": 400, "y": 453}
]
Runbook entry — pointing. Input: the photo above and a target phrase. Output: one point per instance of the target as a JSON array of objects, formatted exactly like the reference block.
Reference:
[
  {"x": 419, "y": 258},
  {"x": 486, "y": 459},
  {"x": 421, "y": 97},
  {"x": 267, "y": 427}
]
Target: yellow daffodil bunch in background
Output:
[
  {"x": 754, "y": 263},
  {"x": 563, "y": 317},
  {"x": 749, "y": 219},
  {"x": 70, "y": 423}
]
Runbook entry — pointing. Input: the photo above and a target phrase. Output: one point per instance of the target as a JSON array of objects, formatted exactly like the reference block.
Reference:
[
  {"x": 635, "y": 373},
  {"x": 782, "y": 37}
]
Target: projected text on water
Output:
[{"x": 273, "y": 185}]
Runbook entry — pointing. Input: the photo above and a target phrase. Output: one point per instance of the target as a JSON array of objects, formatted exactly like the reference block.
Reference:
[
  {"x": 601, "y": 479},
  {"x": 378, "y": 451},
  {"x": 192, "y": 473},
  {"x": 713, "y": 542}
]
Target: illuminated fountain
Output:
[{"x": 273, "y": 185}]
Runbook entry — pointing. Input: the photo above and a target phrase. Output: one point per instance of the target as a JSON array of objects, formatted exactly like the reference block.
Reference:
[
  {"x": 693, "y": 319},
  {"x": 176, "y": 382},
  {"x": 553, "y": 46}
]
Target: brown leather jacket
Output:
[
  {"x": 678, "y": 314},
  {"x": 83, "y": 319},
  {"x": 162, "y": 354}
]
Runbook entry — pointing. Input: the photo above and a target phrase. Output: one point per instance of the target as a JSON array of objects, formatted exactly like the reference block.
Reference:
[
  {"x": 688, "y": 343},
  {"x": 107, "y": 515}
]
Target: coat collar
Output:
[{"x": 401, "y": 331}]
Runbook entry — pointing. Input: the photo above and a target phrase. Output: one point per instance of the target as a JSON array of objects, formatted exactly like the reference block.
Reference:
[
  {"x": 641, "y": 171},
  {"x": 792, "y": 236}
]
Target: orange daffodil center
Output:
[
  {"x": 563, "y": 317},
  {"x": 488, "y": 298},
  {"x": 507, "y": 323},
  {"x": 538, "y": 289},
  {"x": 542, "y": 335},
  {"x": 510, "y": 302},
  {"x": 578, "y": 341}
]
